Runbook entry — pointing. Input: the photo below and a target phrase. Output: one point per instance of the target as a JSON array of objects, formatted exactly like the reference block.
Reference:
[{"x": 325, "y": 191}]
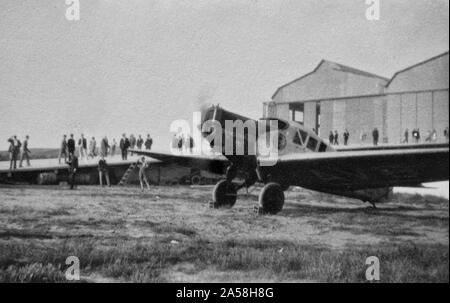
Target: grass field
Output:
[{"x": 169, "y": 234}]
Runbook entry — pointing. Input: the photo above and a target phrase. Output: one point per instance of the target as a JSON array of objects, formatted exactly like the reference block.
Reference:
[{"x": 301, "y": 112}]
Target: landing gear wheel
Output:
[
  {"x": 271, "y": 198},
  {"x": 195, "y": 180},
  {"x": 224, "y": 194}
]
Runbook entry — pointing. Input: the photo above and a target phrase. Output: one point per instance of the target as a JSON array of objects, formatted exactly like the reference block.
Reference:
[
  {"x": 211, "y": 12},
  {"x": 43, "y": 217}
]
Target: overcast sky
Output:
[{"x": 134, "y": 66}]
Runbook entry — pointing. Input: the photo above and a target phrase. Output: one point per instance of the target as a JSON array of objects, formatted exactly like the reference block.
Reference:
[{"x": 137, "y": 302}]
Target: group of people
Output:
[
  {"x": 333, "y": 137},
  {"x": 103, "y": 171},
  {"x": 131, "y": 143},
  {"x": 18, "y": 149},
  {"x": 69, "y": 146},
  {"x": 104, "y": 149},
  {"x": 68, "y": 149},
  {"x": 432, "y": 135},
  {"x": 180, "y": 141}
]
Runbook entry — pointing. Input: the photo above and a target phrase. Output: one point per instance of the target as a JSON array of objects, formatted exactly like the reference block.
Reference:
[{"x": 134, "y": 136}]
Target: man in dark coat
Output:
[
  {"x": 331, "y": 137},
  {"x": 14, "y": 150},
  {"x": 73, "y": 167},
  {"x": 346, "y": 136},
  {"x": 336, "y": 138},
  {"x": 103, "y": 170},
  {"x": 71, "y": 145},
  {"x": 124, "y": 144},
  {"x": 375, "y": 135},
  {"x": 148, "y": 142}
]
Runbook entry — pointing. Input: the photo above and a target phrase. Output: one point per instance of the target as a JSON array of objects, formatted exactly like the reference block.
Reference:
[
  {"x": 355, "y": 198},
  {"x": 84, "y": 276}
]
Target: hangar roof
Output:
[
  {"x": 337, "y": 67},
  {"x": 348, "y": 69},
  {"x": 417, "y": 65}
]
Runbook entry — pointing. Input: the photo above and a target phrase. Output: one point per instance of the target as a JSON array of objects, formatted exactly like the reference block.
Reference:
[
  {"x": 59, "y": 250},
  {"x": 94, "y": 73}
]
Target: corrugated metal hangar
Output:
[{"x": 337, "y": 97}]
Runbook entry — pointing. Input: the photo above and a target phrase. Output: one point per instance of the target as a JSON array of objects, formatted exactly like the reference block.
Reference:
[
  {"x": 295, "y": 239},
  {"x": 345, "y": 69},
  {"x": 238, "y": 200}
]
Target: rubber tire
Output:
[
  {"x": 224, "y": 194},
  {"x": 271, "y": 198},
  {"x": 196, "y": 180}
]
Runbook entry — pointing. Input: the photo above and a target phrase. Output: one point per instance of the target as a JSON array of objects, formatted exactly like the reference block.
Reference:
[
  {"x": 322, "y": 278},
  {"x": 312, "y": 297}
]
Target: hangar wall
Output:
[
  {"x": 310, "y": 115},
  {"x": 347, "y": 98},
  {"x": 426, "y": 111}
]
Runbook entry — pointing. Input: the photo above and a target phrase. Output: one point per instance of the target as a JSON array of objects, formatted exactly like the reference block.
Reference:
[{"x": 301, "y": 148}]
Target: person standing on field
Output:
[
  {"x": 142, "y": 164},
  {"x": 336, "y": 137},
  {"x": 406, "y": 136},
  {"x": 346, "y": 137},
  {"x": 103, "y": 170},
  {"x": 73, "y": 168},
  {"x": 375, "y": 136}
]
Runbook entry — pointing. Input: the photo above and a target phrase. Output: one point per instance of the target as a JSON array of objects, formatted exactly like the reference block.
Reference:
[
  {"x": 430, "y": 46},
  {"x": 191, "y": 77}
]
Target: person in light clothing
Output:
[
  {"x": 143, "y": 164},
  {"x": 25, "y": 152}
]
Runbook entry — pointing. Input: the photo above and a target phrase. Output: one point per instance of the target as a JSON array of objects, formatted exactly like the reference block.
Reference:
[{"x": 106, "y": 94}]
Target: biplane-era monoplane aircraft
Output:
[{"x": 304, "y": 159}]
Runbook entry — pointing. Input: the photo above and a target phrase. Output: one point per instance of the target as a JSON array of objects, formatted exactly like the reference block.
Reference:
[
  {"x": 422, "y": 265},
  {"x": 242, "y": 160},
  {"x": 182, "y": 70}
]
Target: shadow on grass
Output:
[
  {"x": 301, "y": 210},
  {"x": 391, "y": 222}
]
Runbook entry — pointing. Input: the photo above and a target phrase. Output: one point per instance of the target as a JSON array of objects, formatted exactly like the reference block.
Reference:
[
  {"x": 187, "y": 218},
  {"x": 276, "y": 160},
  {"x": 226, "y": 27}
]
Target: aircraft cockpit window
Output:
[
  {"x": 312, "y": 143},
  {"x": 322, "y": 147},
  {"x": 303, "y": 135},
  {"x": 297, "y": 139}
]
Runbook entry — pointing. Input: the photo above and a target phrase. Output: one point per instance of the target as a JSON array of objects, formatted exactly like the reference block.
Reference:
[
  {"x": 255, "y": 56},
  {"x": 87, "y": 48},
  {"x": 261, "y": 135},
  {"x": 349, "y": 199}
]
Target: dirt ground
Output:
[{"x": 169, "y": 234}]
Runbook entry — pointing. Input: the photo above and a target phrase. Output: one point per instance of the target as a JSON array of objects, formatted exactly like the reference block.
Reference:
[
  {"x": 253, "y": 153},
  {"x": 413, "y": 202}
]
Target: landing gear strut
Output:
[{"x": 271, "y": 198}]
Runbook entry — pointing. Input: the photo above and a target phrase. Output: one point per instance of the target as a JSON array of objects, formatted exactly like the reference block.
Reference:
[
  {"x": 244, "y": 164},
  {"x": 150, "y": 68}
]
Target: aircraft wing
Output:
[
  {"x": 214, "y": 164},
  {"x": 354, "y": 170}
]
